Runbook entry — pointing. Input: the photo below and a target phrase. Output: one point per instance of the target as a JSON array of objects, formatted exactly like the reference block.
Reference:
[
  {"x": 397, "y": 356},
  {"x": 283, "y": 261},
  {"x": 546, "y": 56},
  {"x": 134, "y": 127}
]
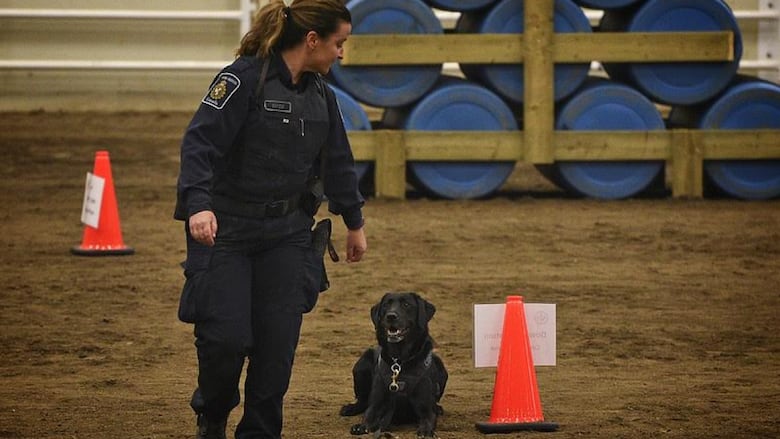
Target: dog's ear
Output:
[
  {"x": 375, "y": 313},
  {"x": 430, "y": 310},
  {"x": 425, "y": 311},
  {"x": 376, "y": 309}
]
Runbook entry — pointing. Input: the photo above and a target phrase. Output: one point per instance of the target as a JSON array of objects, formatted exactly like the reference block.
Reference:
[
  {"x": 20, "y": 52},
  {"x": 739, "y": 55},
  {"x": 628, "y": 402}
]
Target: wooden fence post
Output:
[
  {"x": 538, "y": 94},
  {"x": 390, "y": 165},
  {"x": 687, "y": 164}
]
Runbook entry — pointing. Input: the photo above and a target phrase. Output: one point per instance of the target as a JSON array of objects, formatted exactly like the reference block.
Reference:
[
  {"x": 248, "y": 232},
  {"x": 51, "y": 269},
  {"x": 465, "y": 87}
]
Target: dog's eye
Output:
[{"x": 405, "y": 304}]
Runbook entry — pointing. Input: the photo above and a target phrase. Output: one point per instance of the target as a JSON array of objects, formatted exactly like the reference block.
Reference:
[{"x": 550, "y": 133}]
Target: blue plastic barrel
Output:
[
  {"x": 748, "y": 104},
  {"x": 389, "y": 86},
  {"x": 607, "y": 105},
  {"x": 355, "y": 119},
  {"x": 460, "y": 5},
  {"x": 456, "y": 104},
  {"x": 676, "y": 83},
  {"x": 607, "y": 4},
  {"x": 506, "y": 16}
]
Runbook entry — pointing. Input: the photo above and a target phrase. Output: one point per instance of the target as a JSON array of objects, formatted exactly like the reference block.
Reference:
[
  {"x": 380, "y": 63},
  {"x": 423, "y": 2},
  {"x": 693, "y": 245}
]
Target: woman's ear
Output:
[{"x": 312, "y": 39}]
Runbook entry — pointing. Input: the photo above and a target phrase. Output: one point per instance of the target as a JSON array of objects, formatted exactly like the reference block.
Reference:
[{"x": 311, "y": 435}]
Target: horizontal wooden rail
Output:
[
  {"x": 684, "y": 150},
  {"x": 404, "y": 49},
  {"x": 449, "y": 19},
  {"x": 568, "y": 145}
]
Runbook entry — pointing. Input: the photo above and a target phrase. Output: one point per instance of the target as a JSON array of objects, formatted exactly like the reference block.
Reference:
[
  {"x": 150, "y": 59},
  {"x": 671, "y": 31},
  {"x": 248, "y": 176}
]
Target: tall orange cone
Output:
[
  {"x": 516, "y": 402},
  {"x": 106, "y": 238}
]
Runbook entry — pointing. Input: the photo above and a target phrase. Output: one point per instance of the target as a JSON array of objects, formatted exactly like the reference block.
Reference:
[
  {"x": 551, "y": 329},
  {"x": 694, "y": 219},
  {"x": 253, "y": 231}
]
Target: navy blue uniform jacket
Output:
[{"x": 211, "y": 136}]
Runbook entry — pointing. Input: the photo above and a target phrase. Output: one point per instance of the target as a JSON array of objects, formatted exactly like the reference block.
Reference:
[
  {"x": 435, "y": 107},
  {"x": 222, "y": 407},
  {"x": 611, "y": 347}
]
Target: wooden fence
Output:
[{"x": 539, "y": 48}]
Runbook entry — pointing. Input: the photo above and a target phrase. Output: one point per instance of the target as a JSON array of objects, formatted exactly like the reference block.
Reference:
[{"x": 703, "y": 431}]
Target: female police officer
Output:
[{"x": 267, "y": 127}]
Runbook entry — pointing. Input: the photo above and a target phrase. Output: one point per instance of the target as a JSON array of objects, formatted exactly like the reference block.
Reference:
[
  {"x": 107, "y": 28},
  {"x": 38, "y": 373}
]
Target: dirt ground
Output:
[{"x": 667, "y": 309}]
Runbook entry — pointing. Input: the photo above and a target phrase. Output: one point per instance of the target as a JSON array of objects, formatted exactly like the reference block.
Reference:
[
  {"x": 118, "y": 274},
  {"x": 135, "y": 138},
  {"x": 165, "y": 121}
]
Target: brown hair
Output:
[{"x": 276, "y": 27}]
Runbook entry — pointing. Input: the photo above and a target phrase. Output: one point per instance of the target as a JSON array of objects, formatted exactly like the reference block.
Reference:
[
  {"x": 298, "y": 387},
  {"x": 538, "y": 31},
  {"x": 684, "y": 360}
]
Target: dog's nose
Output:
[{"x": 391, "y": 316}]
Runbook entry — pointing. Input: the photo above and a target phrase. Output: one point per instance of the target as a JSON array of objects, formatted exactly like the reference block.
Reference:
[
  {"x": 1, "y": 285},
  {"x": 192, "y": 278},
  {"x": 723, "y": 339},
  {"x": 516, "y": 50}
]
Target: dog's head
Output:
[{"x": 399, "y": 315}]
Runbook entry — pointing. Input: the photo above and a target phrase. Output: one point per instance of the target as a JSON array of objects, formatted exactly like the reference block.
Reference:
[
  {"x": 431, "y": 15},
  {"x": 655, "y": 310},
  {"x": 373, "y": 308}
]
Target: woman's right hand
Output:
[
  {"x": 203, "y": 227},
  {"x": 356, "y": 245}
]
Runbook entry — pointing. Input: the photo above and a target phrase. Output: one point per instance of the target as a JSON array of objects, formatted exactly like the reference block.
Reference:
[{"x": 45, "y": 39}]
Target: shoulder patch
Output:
[{"x": 221, "y": 90}]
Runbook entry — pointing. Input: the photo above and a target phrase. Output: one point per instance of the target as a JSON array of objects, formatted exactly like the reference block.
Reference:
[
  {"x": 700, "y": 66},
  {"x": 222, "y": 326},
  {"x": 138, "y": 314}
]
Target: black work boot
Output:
[{"x": 208, "y": 429}]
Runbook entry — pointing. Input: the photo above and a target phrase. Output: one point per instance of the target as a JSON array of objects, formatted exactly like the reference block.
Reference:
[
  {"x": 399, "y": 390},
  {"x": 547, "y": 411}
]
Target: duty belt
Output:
[{"x": 270, "y": 209}]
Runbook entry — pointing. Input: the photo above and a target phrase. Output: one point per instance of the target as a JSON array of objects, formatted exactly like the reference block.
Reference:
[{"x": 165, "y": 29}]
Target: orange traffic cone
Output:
[
  {"x": 516, "y": 402},
  {"x": 106, "y": 238}
]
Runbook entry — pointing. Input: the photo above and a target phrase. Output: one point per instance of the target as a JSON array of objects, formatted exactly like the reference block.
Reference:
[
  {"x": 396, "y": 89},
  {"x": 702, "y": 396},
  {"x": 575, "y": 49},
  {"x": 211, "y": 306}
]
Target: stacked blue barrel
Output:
[
  {"x": 490, "y": 96},
  {"x": 746, "y": 104}
]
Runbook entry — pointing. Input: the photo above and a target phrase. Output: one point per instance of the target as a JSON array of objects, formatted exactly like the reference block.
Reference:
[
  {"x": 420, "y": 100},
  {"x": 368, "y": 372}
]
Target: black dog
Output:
[{"x": 401, "y": 380}]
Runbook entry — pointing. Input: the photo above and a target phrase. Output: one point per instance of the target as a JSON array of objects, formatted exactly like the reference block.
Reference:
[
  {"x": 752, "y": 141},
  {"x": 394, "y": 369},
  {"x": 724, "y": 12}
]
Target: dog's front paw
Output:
[
  {"x": 427, "y": 435},
  {"x": 358, "y": 429}
]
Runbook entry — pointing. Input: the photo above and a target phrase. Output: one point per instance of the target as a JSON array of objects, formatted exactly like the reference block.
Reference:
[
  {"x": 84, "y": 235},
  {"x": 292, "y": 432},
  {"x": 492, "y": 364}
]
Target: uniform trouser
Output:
[{"x": 261, "y": 277}]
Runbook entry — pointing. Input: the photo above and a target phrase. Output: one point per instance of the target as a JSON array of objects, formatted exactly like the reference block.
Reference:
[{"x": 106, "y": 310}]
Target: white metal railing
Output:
[
  {"x": 121, "y": 14},
  {"x": 243, "y": 15},
  {"x": 24, "y": 64}
]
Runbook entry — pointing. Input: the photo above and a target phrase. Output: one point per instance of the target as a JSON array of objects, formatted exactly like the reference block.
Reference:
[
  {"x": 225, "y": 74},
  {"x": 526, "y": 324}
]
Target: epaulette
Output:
[{"x": 244, "y": 63}]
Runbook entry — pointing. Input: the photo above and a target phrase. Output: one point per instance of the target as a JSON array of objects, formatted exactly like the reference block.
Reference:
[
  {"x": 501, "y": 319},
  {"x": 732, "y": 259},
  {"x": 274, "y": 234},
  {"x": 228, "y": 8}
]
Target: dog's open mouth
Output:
[{"x": 396, "y": 335}]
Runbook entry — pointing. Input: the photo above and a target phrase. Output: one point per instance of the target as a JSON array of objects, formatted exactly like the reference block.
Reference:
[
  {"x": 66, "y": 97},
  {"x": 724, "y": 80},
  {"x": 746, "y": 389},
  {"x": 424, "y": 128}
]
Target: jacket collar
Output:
[{"x": 279, "y": 67}]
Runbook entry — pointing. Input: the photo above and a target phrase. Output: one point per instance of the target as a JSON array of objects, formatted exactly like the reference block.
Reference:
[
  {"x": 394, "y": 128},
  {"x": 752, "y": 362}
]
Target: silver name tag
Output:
[{"x": 278, "y": 106}]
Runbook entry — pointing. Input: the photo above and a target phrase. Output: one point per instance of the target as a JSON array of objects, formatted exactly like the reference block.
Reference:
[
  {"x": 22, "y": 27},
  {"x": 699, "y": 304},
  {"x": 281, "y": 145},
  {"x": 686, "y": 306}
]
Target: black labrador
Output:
[{"x": 401, "y": 380}]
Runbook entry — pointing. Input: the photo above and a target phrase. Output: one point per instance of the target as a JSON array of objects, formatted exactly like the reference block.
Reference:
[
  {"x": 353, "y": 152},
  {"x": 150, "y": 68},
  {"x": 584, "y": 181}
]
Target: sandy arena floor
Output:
[{"x": 667, "y": 309}]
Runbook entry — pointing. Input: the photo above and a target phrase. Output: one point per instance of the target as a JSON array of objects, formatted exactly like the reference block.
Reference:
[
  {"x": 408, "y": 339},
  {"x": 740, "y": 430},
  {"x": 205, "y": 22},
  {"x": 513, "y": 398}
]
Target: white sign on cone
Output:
[
  {"x": 93, "y": 199},
  {"x": 489, "y": 325}
]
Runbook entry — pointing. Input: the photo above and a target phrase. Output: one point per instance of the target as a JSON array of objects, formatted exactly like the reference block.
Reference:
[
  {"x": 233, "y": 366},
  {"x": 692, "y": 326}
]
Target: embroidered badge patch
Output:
[
  {"x": 221, "y": 91},
  {"x": 278, "y": 106}
]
